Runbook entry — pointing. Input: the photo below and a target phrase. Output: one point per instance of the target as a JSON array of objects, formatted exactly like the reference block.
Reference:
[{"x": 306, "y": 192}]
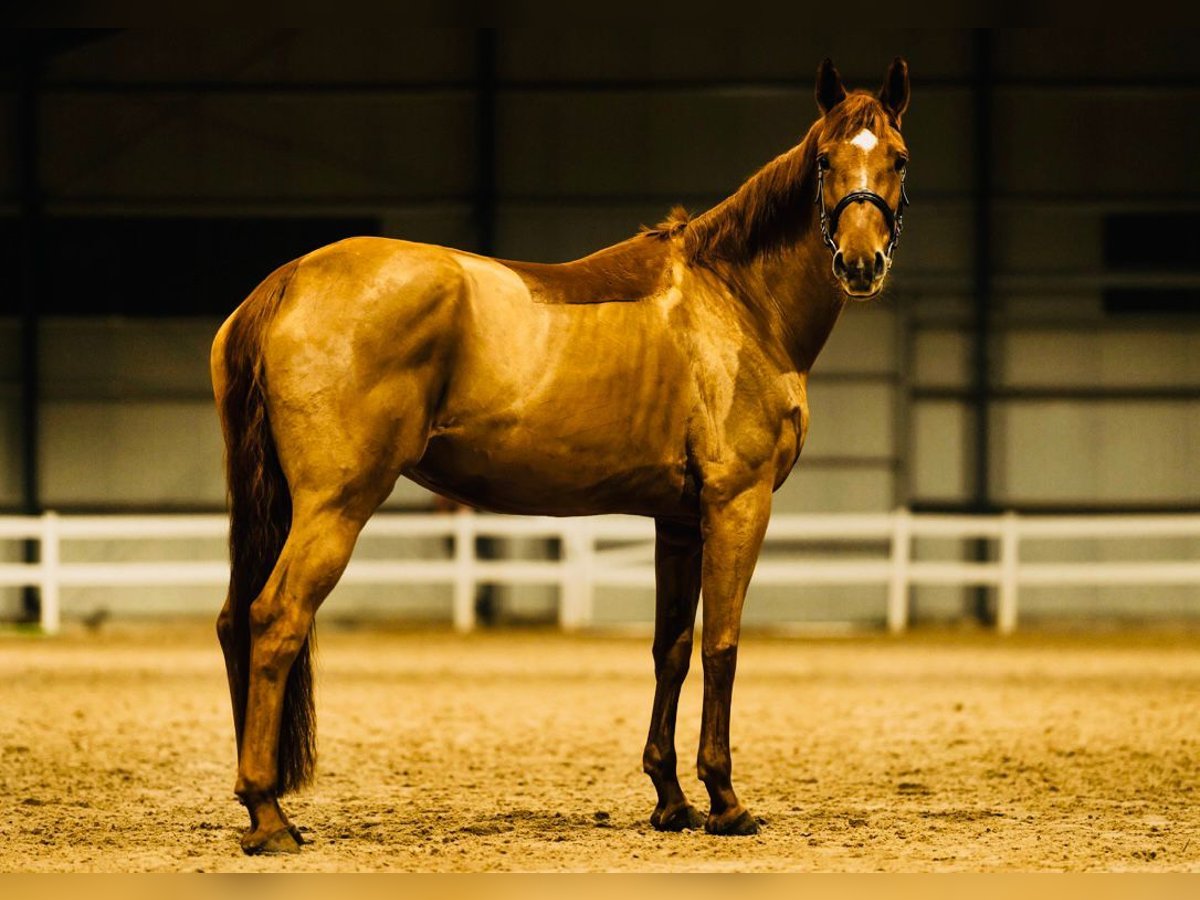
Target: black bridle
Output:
[{"x": 829, "y": 220}]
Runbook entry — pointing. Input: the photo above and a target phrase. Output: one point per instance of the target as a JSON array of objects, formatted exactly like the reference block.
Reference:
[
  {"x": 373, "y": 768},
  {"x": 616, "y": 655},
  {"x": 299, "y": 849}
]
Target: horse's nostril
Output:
[
  {"x": 839, "y": 264},
  {"x": 880, "y": 264}
]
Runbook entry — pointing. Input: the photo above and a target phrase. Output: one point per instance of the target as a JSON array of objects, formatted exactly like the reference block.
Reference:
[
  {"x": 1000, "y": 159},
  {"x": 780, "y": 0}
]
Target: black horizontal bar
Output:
[
  {"x": 466, "y": 87},
  {"x": 1037, "y": 508},
  {"x": 834, "y": 461},
  {"x": 167, "y": 508},
  {"x": 1187, "y": 323},
  {"x": 1042, "y": 393},
  {"x": 696, "y": 200},
  {"x": 917, "y": 505},
  {"x": 819, "y": 377}
]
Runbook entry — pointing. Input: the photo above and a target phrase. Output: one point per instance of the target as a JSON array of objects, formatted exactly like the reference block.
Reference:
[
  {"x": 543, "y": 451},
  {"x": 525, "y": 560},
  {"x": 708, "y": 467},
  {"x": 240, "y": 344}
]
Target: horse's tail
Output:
[{"x": 260, "y": 516}]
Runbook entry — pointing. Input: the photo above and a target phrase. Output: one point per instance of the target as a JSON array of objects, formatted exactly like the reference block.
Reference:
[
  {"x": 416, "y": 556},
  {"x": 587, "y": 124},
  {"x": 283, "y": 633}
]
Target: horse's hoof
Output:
[
  {"x": 285, "y": 840},
  {"x": 733, "y": 822},
  {"x": 681, "y": 818}
]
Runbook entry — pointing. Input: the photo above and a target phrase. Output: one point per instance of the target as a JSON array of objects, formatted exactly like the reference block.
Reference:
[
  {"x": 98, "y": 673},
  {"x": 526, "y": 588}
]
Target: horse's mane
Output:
[{"x": 774, "y": 207}]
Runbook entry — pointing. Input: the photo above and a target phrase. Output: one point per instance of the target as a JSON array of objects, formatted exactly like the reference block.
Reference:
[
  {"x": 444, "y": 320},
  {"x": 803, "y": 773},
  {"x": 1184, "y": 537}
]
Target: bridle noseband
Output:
[{"x": 829, "y": 220}]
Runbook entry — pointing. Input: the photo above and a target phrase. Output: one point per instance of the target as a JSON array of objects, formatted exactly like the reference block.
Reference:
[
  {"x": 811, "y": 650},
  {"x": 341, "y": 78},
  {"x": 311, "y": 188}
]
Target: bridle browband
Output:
[{"x": 829, "y": 220}]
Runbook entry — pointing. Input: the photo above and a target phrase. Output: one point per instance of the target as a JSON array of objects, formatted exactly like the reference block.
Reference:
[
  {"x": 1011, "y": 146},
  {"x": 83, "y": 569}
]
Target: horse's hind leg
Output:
[
  {"x": 317, "y": 551},
  {"x": 340, "y": 464},
  {"x": 677, "y": 555}
]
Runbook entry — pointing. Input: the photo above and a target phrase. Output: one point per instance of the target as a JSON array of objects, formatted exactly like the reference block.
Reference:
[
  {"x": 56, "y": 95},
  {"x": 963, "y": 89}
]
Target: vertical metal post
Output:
[
  {"x": 30, "y": 202},
  {"x": 485, "y": 141},
  {"x": 487, "y": 604},
  {"x": 981, "y": 500},
  {"x": 904, "y": 335}
]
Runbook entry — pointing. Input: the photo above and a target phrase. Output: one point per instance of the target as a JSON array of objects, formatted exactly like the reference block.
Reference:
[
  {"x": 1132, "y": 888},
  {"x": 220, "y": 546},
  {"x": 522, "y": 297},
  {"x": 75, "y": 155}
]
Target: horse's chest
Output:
[{"x": 757, "y": 422}]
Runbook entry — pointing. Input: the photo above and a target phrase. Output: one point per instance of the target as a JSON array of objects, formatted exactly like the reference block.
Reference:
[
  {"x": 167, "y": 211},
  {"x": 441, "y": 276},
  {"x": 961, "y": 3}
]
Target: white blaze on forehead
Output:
[{"x": 865, "y": 140}]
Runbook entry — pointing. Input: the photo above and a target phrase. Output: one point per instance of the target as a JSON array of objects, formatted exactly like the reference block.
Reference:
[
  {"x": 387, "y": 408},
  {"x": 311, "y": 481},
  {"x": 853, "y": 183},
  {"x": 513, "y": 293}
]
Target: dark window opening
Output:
[
  {"x": 1154, "y": 242},
  {"x": 1164, "y": 241},
  {"x": 1157, "y": 301},
  {"x": 149, "y": 267}
]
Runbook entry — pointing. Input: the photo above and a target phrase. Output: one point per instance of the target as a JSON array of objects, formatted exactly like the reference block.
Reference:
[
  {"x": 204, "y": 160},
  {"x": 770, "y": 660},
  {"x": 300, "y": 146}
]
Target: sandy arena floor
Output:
[{"x": 522, "y": 751}]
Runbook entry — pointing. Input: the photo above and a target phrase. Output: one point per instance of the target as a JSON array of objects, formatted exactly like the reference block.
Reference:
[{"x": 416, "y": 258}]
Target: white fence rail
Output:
[{"x": 584, "y": 565}]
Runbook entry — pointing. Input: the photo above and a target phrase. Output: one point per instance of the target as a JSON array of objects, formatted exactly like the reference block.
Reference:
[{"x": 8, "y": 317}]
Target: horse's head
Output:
[{"x": 860, "y": 159}]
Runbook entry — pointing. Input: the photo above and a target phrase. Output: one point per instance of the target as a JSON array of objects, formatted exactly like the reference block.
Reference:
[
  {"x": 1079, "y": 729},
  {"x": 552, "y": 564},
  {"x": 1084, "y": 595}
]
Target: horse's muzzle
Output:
[{"x": 861, "y": 276}]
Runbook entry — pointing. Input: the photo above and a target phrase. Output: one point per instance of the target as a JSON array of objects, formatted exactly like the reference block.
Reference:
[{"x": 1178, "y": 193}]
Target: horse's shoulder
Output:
[{"x": 629, "y": 271}]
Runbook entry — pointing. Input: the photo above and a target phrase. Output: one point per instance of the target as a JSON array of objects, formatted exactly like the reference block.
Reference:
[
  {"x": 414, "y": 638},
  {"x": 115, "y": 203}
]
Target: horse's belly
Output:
[{"x": 544, "y": 476}]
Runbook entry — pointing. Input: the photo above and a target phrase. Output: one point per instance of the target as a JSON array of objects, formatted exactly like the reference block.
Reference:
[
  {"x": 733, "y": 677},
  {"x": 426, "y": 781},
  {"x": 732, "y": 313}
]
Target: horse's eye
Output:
[
  {"x": 823, "y": 162},
  {"x": 901, "y": 162}
]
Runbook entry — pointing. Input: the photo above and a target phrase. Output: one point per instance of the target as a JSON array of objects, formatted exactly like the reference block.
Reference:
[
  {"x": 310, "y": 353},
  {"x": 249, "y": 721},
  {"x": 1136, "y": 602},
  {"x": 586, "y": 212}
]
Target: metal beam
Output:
[
  {"x": 1063, "y": 508},
  {"x": 982, "y": 298},
  {"x": 213, "y": 204},
  {"x": 28, "y": 75},
  {"x": 468, "y": 88},
  {"x": 487, "y": 596},
  {"x": 1063, "y": 393},
  {"x": 485, "y": 141}
]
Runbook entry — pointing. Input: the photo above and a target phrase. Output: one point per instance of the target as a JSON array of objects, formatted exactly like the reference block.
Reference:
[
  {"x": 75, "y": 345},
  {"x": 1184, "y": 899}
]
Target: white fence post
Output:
[
  {"x": 48, "y": 587},
  {"x": 1010, "y": 566},
  {"x": 578, "y": 547},
  {"x": 897, "y": 600},
  {"x": 464, "y": 570}
]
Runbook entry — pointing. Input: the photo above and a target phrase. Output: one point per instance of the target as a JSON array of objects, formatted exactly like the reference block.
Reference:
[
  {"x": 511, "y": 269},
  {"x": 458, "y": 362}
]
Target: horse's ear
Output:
[
  {"x": 894, "y": 93},
  {"x": 830, "y": 91}
]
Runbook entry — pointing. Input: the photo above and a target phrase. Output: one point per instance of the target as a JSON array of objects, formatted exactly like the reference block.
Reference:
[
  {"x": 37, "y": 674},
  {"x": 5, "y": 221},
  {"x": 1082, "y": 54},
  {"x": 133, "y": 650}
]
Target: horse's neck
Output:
[
  {"x": 765, "y": 243},
  {"x": 794, "y": 296}
]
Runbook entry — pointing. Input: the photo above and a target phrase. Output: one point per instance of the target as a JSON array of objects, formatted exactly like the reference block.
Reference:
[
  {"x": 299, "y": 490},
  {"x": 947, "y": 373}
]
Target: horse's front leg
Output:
[
  {"x": 677, "y": 550},
  {"x": 733, "y": 528}
]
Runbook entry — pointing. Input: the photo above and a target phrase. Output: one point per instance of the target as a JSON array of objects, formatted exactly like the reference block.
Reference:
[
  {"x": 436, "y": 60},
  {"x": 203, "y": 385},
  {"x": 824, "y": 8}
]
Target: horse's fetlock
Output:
[
  {"x": 712, "y": 766},
  {"x": 656, "y": 761},
  {"x": 253, "y": 788}
]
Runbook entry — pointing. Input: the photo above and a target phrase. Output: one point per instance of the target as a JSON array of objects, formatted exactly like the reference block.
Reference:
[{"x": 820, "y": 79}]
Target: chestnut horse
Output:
[{"x": 664, "y": 376}]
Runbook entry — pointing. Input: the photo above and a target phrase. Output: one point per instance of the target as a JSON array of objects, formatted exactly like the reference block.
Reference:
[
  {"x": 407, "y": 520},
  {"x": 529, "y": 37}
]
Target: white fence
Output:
[{"x": 584, "y": 565}]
